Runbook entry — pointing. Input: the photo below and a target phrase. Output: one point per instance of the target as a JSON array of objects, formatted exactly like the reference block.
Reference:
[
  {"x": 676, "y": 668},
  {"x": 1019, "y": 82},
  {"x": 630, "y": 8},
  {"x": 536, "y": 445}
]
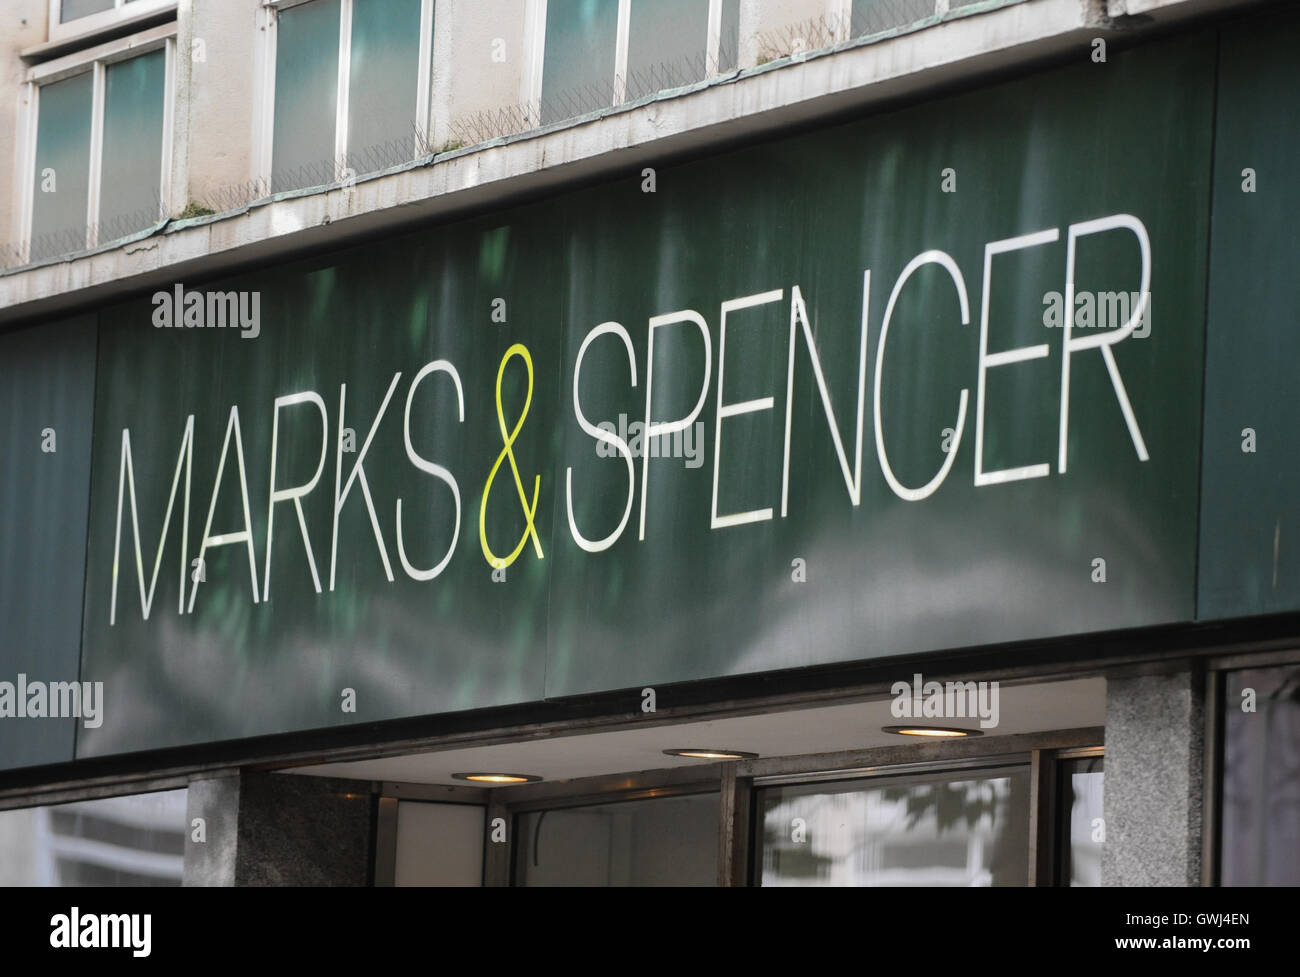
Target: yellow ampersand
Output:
[{"x": 530, "y": 508}]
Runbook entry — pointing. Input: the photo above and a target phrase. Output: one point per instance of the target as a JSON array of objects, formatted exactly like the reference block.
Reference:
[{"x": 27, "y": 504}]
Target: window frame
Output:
[
  {"x": 1059, "y": 815},
  {"x": 737, "y": 783},
  {"x": 122, "y": 12},
  {"x": 94, "y": 60},
  {"x": 1029, "y": 760},
  {"x": 1214, "y": 765},
  {"x": 264, "y": 105},
  {"x": 535, "y": 34}
]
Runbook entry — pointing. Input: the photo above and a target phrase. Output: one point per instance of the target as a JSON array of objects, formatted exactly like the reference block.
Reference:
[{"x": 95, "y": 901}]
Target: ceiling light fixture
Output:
[
  {"x": 702, "y": 753},
  {"x": 938, "y": 732},
  {"x": 497, "y": 778}
]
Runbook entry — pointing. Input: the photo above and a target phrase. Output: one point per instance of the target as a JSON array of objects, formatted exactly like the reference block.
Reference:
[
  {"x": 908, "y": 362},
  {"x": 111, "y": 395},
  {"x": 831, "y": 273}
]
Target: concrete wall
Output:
[
  {"x": 217, "y": 49},
  {"x": 25, "y": 25},
  {"x": 480, "y": 59},
  {"x": 214, "y": 146},
  {"x": 770, "y": 29}
]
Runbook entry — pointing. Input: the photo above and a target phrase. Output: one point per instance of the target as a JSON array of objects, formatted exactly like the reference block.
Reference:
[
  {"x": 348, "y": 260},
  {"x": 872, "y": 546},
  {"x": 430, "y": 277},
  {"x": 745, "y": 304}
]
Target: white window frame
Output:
[
  {"x": 96, "y": 61},
  {"x": 122, "y": 12},
  {"x": 264, "y": 105},
  {"x": 839, "y": 15},
  {"x": 535, "y": 32}
]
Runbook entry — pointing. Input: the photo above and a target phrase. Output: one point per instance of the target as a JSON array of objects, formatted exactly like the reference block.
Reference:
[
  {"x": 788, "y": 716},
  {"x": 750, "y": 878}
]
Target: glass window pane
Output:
[
  {"x": 1081, "y": 782},
  {"x": 130, "y": 178},
  {"x": 961, "y": 828},
  {"x": 1260, "y": 834},
  {"x": 383, "y": 78},
  {"x": 62, "y": 178},
  {"x": 578, "y": 67},
  {"x": 133, "y": 840},
  {"x": 306, "y": 95},
  {"x": 874, "y": 16},
  {"x": 75, "y": 9},
  {"x": 439, "y": 844},
  {"x": 729, "y": 46},
  {"x": 666, "y": 45},
  {"x": 664, "y": 841}
]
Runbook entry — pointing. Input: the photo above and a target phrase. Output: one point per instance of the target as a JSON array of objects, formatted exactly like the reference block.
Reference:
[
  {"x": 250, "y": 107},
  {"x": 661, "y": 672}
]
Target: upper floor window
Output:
[
  {"x": 601, "y": 53},
  {"x": 72, "y": 18},
  {"x": 876, "y": 16},
  {"x": 350, "y": 88},
  {"x": 98, "y": 125}
]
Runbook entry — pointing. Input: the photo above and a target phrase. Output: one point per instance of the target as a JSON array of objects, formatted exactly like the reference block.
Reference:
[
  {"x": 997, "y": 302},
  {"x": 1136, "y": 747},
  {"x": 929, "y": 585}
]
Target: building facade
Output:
[{"x": 779, "y": 442}]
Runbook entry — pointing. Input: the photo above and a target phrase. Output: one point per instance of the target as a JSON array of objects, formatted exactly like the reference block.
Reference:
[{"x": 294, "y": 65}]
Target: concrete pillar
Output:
[
  {"x": 279, "y": 829},
  {"x": 1155, "y": 754},
  {"x": 480, "y": 58},
  {"x": 25, "y": 25},
  {"x": 218, "y": 103}
]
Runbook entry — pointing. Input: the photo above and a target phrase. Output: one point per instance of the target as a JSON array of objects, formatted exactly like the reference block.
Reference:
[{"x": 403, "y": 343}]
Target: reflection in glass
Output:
[
  {"x": 383, "y": 83},
  {"x": 1082, "y": 786},
  {"x": 666, "y": 45},
  {"x": 76, "y": 9},
  {"x": 61, "y": 182},
  {"x": 133, "y": 840},
  {"x": 662, "y": 841},
  {"x": 578, "y": 66},
  {"x": 133, "y": 127},
  {"x": 873, "y": 16},
  {"x": 729, "y": 43},
  {"x": 306, "y": 95},
  {"x": 1260, "y": 840},
  {"x": 968, "y": 828}
]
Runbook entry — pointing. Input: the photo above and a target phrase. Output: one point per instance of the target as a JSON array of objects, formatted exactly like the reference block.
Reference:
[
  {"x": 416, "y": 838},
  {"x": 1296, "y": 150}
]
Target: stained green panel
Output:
[
  {"x": 62, "y": 176},
  {"x": 133, "y": 125},
  {"x": 345, "y": 328},
  {"x": 383, "y": 87},
  {"x": 1250, "y": 507},
  {"x": 666, "y": 46},
  {"x": 47, "y": 383},
  {"x": 578, "y": 67},
  {"x": 969, "y": 564},
  {"x": 741, "y": 567},
  {"x": 306, "y": 95}
]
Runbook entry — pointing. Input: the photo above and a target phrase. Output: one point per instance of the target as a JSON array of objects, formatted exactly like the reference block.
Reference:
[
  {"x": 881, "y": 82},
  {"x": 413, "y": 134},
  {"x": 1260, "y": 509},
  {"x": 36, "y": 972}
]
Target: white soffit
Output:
[{"x": 1073, "y": 704}]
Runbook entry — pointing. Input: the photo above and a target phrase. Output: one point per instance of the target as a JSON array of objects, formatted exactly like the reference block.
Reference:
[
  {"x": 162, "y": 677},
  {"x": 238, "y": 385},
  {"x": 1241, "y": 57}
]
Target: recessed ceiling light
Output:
[
  {"x": 938, "y": 732},
  {"x": 702, "y": 753},
  {"x": 497, "y": 778}
]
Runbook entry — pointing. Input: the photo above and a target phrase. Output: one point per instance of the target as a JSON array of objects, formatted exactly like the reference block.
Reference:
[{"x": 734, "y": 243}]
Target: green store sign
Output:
[{"x": 921, "y": 381}]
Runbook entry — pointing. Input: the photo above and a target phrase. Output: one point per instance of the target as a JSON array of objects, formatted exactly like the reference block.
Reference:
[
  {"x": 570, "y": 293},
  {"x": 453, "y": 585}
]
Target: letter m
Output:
[
  {"x": 223, "y": 309},
  {"x": 964, "y": 699},
  {"x": 68, "y": 697},
  {"x": 120, "y": 927},
  {"x": 1113, "y": 309},
  {"x": 126, "y": 480}
]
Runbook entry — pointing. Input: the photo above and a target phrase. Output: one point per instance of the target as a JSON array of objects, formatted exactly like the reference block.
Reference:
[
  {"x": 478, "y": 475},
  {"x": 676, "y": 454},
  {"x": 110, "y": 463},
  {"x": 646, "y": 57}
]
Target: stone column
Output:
[
  {"x": 1153, "y": 791},
  {"x": 279, "y": 829}
]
